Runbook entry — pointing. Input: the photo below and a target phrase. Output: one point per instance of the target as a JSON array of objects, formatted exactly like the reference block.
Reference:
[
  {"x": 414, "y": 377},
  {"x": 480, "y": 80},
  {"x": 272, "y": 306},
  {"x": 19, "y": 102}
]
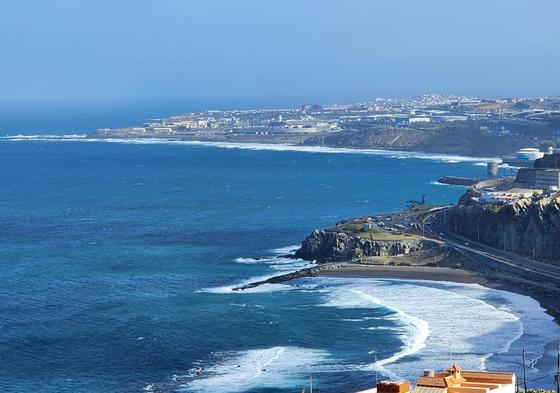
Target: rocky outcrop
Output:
[
  {"x": 333, "y": 246},
  {"x": 307, "y": 272},
  {"x": 458, "y": 181},
  {"x": 524, "y": 227}
]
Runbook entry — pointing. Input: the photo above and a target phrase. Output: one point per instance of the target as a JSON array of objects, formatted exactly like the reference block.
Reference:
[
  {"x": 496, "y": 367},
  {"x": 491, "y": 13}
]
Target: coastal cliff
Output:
[
  {"x": 527, "y": 226},
  {"x": 334, "y": 246}
]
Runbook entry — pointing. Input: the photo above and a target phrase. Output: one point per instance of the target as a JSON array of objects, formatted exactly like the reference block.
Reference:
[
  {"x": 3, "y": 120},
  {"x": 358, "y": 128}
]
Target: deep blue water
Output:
[
  {"x": 85, "y": 117},
  {"x": 117, "y": 261}
]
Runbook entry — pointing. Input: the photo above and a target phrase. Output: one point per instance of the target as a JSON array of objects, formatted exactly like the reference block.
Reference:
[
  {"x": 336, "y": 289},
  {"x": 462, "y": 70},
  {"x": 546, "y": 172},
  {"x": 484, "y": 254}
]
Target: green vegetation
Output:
[
  {"x": 375, "y": 233},
  {"x": 423, "y": 207}
]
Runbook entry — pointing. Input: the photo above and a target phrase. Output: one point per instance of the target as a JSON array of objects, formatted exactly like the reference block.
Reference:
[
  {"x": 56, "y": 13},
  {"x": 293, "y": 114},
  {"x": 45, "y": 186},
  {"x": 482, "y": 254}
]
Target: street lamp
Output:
[{"x": 374, "y": 353}]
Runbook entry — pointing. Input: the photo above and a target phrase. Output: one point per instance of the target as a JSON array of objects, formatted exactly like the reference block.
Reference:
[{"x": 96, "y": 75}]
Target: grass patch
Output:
[
  {"x": 423, "y": 207},
  {"x": 375, "y": 233}
]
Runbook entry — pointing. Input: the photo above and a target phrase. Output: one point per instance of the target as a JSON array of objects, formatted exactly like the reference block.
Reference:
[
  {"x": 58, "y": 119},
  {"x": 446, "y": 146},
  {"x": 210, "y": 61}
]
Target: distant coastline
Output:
[
  {"x": 441, "y": 124},
  {"x": 273, "y": 146}
]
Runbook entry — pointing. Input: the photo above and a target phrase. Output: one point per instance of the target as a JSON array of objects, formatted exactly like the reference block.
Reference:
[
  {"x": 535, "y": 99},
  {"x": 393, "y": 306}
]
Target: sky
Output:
[{"x": 278, "y": 52}]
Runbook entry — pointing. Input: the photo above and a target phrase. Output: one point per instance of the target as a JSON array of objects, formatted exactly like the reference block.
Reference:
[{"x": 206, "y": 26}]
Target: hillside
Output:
[{"x": 462, "y": 139}]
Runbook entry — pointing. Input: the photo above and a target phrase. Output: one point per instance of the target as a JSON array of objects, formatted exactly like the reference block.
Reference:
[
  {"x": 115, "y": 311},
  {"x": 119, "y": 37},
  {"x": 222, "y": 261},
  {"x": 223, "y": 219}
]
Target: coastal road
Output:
[{"x": 486, "y": 255}]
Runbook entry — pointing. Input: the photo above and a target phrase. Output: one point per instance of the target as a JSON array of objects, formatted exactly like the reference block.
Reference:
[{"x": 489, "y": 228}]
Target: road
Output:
[{"x": 486, "y": 255}]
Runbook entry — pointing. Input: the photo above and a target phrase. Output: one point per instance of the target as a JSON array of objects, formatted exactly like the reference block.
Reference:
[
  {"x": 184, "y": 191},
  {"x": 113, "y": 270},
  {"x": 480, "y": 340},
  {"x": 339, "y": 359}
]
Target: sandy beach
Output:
[{"x": 407, "y": 272}]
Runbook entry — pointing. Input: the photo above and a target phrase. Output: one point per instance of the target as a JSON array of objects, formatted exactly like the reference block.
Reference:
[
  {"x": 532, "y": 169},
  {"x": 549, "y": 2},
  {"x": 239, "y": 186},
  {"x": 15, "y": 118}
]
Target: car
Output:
[{"x": 467, "y": 244}]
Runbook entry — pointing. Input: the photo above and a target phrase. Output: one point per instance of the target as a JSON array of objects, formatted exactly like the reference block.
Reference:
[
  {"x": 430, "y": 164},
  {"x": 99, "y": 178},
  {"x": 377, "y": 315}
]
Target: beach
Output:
[{"x": 407, "y": 272}]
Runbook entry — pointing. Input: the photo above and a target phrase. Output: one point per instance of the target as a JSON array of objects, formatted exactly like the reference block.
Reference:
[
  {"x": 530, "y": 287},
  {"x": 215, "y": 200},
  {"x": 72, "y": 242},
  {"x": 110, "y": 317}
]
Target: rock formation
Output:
[
  {"x": 527, "y": 226},
  {"x": 333, "y": 246}
]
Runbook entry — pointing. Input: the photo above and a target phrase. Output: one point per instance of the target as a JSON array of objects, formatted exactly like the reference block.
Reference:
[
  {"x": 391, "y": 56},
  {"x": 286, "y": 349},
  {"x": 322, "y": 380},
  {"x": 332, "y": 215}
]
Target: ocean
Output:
[{"x": 118, "y": 261}]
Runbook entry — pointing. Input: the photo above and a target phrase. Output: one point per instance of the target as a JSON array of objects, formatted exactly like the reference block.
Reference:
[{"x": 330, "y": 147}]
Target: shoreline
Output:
[
  {"x": 450, "y": 275},
  {"x": 550, "y": 304},
  {"x": 428, "y": 273},
  {"x": 258, "y": 145}
]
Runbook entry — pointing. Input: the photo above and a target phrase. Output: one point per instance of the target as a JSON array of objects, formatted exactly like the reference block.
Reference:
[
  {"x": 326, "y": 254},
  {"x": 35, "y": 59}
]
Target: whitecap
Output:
[
  {"x": 281, "y": 366},
  {"x": 437, "y": 183},
  {"x": 261, "y": 146},
  {"x": 444, "y": 323},
  {"x": 229, "y": 289}
]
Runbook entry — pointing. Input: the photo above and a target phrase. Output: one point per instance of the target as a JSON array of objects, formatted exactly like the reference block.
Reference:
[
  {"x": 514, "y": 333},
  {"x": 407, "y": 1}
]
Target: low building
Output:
[
  {"x": 420, "y": 119},
  {"x": 506, "y": 197},
  {"x": 455, "y": 380},
  {"x": 452, "y": 380}
]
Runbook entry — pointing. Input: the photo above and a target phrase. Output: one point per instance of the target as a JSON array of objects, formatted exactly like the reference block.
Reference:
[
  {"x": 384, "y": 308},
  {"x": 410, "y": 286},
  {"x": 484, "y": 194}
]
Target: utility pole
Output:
[
  {"x": 375, "y": 359},
  {"x": 534, "y": 253},
  {"x": 504, "y": 240},
  {"x": 374, "y": 353},
  {"x": 524, "y": 370}
]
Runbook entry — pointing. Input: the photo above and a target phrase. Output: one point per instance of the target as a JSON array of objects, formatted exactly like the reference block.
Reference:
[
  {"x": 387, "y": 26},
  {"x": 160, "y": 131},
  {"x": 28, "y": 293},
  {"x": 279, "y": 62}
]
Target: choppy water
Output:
[{"x": 118, "y": 259}]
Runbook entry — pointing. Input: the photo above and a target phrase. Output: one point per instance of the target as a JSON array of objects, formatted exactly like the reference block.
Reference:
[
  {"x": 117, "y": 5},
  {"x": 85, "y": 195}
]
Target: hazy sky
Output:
[{"x": 279, "y": 51}]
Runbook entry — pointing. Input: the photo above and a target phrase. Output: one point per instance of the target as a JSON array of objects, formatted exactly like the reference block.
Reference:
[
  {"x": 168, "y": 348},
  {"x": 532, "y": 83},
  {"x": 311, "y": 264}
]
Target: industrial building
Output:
[
  {"x": 523, "y": 158},
  {"x": 544, "y": 174}
]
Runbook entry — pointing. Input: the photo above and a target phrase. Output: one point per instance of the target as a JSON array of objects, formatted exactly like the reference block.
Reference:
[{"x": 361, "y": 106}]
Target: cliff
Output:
[
  {"x": 333, "y": 246},
  {"x": 450, "y": 138},
  {"x": 525, "y": 227}
]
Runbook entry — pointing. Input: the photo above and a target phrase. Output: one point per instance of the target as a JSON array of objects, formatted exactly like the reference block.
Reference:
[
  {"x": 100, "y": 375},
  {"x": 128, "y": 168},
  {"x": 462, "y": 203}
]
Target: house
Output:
[
  {"x": 455, "y": 380},
  {"x": 452, "y": 380}
]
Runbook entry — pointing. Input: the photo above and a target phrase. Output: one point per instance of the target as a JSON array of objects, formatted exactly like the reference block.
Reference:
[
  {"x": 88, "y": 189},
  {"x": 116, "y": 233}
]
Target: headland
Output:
[
  {"x": 443, "y": 124},
  {"x": 417, "y": 244}
]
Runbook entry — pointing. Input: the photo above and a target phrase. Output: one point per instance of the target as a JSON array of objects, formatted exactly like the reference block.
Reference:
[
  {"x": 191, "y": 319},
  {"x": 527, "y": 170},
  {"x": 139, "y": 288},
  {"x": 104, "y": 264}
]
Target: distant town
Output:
[{"x": 433, "y": 123}]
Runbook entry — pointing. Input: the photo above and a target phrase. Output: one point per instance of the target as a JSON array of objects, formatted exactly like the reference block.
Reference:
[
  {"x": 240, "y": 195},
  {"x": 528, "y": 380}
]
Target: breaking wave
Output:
[
  {"x": 280, "y": 261},
  {"x": 448, "y": 158},
  {"x": 281, "y": 366}
]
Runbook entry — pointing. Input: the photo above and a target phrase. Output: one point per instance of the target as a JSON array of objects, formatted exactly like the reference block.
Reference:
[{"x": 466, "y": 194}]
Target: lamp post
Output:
[{"x": 374, "y": 353}]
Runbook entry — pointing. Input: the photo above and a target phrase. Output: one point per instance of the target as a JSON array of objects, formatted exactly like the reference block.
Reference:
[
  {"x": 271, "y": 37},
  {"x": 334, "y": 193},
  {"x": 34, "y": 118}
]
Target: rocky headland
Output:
[{"x": 337, "y": 246}]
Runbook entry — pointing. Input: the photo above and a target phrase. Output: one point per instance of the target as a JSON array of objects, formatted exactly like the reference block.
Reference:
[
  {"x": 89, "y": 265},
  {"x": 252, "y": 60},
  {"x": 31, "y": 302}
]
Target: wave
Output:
[
  {"x": 280, "y": 261},
  {"x": 398, "y": 154},
  {"x": 281, "y": 366},
  {"x": 229, "y": 289},
  {"x": 448, "y": 322},
  {"x": 416, "y": 330},
  {"x": 437, "y": 323},
  {"x": 44, "y": 137},
  {"x": 437, "y": 183}
]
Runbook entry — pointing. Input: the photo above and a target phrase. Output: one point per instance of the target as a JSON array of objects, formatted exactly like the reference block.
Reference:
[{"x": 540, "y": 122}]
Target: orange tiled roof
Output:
[
  {"x": 445, "y": 379},
  {"x": 432, "y": 382},
  {"x": 481, "y": 376}
]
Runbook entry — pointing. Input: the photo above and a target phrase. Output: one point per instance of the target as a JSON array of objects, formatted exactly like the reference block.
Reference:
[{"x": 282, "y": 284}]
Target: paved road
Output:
[{"x": 489, "y": 256}]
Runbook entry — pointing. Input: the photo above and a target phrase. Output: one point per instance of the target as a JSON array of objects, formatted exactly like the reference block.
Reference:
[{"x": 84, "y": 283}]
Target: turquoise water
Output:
[{"x": 118, "y": 259}]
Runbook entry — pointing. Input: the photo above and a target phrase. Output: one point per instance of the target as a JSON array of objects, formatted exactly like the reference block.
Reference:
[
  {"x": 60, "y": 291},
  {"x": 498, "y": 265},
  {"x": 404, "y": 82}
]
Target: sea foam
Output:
[
  {"x": 278, "y": 261},
  {"x": 445, "y": 322},
  {"x": 282, "y": 366},
  {"x": 448, "y": 158}
]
